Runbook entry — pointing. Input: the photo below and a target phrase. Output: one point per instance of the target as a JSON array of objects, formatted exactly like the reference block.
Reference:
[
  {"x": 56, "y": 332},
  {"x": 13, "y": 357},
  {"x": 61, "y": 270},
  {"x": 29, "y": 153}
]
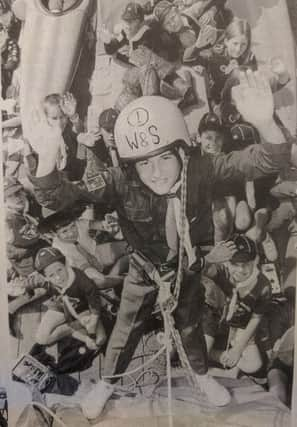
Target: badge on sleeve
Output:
[{"x": 95, "y": 182}]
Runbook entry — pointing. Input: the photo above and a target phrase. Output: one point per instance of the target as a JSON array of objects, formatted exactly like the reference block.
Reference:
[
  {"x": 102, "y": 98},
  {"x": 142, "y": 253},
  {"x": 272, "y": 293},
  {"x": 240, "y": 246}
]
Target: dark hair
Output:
[{"x": 61, "y": 218}]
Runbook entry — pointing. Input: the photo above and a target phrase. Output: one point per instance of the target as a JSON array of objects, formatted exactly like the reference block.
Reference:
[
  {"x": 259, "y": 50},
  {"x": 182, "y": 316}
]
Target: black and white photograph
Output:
[{"x": 149, "y": 213}]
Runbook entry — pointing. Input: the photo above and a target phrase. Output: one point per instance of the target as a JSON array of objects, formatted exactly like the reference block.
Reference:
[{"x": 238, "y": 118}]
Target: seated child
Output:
[
  {"x": 60, "y": 110},
  {"x": 74, "y": 309},
  {"x": 229, "y": 205},
  {"x": 145, "y": 52},
  {"x": 23, "y": 241},
  {"x": 232, "y": 50},
  {"x": 103, "y": 263},
  {"x": 248, "y": 294},
  {"x": 194, "y": 26}
]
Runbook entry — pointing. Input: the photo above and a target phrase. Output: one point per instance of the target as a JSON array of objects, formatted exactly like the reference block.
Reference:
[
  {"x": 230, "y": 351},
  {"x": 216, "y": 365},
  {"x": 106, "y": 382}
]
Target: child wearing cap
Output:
[
  {"x": 248, "y": 294},
  {"x": 101, "y": 146},
  {"x": 230, "y": 208},
  {"x": 74, "y": 309},
  {"x": 195, "y": 25},
  {"x": 103, "y": 263}
]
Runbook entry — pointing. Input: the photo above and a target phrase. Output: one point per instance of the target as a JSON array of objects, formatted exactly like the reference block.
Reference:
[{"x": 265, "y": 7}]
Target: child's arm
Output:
[
  {"x": 68, "y": 106},
  {"x": 284, "y": 189},
  {"x": 13, "y": 56},
  {"x": 231, "y": 357}
]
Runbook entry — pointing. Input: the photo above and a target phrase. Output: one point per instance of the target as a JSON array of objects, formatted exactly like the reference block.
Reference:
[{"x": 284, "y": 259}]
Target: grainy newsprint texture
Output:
[{"x": 148, "y": 213}]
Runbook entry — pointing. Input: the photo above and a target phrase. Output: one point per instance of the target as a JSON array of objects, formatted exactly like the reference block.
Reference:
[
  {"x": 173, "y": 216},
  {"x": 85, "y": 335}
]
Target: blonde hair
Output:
[{"x": 239, "y": 27}]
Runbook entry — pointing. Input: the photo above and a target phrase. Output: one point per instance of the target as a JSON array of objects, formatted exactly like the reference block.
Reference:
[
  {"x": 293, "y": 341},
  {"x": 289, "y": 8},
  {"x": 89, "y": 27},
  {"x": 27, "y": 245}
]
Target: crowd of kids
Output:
[{"x": 82, "y": 205}]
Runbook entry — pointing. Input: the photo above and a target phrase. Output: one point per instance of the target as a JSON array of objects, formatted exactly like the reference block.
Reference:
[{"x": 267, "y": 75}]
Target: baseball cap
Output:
[
  {"x": 46, "y": 257},
  {"x": 210, "y": 121},
  {"x": 108, "y": 118},
  {"x": 246, "y": 249},
  {"x": 244, "y": 134},
  {"x": 132, "y": 12},
  {"x": 61, "y": 218}
]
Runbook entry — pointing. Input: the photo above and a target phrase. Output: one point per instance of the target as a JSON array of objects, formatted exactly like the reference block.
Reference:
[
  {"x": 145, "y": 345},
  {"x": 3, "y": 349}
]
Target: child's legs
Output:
[
  {"x": 52, "y": 328},
  {"x": 137, "y": 302},
  {"x": 250, "y": 360},
  {"x": 189, "y": 322},
  {"x": 109, "y": 253},
  {"x": 223, "y": 220},
  {"x": 121, "y": 266},
  {"x": 243, "y": 217},
  {"x": 100, "y": 331}
]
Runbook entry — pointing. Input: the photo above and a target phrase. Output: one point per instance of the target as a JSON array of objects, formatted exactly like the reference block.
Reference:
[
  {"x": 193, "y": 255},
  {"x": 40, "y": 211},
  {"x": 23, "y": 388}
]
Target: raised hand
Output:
[
  {"x": 105, "y": 35},
  {"x": 45, "y": 140},
  {"x": 253, "y": 98},
  {"x": 222, "y": 252},
  {"x": 207, "y": 36},
  {"x": 68, "y": 105}
]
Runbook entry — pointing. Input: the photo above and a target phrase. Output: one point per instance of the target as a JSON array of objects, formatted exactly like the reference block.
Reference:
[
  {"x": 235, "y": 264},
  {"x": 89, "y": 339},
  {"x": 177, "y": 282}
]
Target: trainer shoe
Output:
[
  {"x": 93, "y": 403},
  {"x": 217, "y": 394}
]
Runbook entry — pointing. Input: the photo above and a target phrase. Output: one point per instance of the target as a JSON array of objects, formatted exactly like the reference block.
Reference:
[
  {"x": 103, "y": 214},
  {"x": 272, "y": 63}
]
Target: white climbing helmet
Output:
[{"x": 148, "y": 126}]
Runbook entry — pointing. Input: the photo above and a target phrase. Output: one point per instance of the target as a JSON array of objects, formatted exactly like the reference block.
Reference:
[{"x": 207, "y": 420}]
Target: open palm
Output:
[{"x": 253, "y": 98}]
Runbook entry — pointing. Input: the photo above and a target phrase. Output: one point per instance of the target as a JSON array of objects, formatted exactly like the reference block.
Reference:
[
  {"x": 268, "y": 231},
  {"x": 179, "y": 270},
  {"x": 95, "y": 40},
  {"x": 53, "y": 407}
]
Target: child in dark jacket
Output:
[
  {"x": 75, "y": 298},
  {"x": 146, "y": 49},
  {"x": 248, "y": 294}
]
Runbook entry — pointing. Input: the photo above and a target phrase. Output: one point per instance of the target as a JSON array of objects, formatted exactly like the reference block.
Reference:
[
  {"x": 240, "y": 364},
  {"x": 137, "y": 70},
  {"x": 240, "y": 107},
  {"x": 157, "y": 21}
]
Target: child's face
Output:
[
  {"x": 211, "y": 142},
  {"x": 236, "y": 46},
  {"x": 159, "y": 173},
  {"x": 240, "y": 271},
  {"x": 57, "y": 274},
  {"x": 55, "y": 116},
  {"x": 17, "y": 202},
  {"x": 131, "y": 27},
  {"x": 173, "y": 22},
  {"x": 108, "y": 138},
  {"x": 69, "y": 233}
]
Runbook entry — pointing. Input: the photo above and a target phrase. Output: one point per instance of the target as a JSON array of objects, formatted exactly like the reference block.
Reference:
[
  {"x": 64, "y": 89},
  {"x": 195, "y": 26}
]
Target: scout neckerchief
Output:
[
  {"x": 172, "y": 226},
  {"x": 243, "y": 288}
]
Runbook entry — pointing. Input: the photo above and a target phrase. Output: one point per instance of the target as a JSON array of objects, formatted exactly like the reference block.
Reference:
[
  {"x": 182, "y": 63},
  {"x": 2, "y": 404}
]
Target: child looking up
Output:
[
  {"x": 74, "y": 298},
  {"x": 232, "y": 51},
  {"x": 248, "y": 294},
  {"x": 60, "y": 111}
]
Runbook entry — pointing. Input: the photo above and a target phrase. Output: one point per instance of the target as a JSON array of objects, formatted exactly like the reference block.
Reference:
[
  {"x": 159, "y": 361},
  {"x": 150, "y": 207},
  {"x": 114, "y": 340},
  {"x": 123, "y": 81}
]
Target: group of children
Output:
[{"x": 203, "y": 204}]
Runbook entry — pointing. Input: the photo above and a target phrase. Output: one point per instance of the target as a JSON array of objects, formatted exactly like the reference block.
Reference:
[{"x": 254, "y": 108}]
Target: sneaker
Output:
[
  {"x": 269, "y": 248},
  {"x": 93, "y": 403},
  {"x": 217, "y": 394}
]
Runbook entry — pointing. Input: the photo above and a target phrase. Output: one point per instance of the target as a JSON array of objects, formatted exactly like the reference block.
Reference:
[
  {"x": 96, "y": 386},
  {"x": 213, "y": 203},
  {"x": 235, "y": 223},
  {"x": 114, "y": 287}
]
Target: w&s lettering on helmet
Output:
[{"x": 147, "y": 127}]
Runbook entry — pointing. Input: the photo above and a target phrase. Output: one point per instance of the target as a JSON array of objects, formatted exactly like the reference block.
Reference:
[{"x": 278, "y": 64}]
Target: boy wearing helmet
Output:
[
  {"x": 152, "y": 140},
  {"x": 248, "y": 294}
]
